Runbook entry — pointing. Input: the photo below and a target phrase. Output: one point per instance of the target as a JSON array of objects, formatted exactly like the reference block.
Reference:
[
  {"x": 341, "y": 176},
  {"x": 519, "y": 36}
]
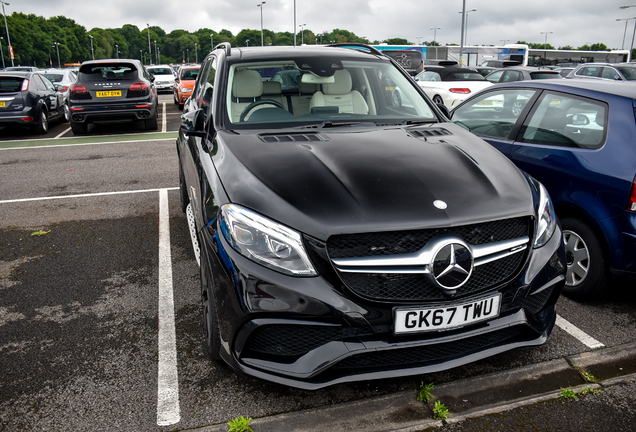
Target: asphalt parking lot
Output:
[{"x": 96, "y": 268}]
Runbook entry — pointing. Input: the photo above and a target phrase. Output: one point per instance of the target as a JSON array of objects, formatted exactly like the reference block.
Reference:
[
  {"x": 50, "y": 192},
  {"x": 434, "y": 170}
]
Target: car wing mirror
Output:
[{"x": 193, "y": 124}]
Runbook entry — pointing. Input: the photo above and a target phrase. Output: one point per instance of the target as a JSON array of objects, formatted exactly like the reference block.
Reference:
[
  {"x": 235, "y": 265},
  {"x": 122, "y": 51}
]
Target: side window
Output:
[
  {"x": 567, "y": 121},
  {"x": 39, "y": 83},
  {"x": 493, "y": 114},
  {"x": 206, "y": 83},
  {"x": 495, "y": 76},
  {"x": 48, "y": 84},
  {"x": 588, "y": 71},
  {"x": 511, "y": 76},
  {"x": 610, "y": 73}
]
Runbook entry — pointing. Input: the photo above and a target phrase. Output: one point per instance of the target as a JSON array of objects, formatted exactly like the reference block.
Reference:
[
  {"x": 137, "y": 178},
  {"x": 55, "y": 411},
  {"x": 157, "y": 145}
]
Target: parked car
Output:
[
  {"x": 184, "y": 84},
  {"x": 29, "y": 99},
  {"x": 500, "y": 63},
  {"x": 576, "y": 137},
  {"x": 486, "y": 70},
  {"x": 605, "y": 71},
  {"x": 521, "y": 73},
  {"x": 164, "y": 77},
  {"x": 22, "y": 69},
  {"x": 115, "y": 89},
  {"x": 564, "y": 71},
  {"x": 62, "y": 78},
  {"x": 450, "y": 85},
  {"x": 358, "y": 240}
]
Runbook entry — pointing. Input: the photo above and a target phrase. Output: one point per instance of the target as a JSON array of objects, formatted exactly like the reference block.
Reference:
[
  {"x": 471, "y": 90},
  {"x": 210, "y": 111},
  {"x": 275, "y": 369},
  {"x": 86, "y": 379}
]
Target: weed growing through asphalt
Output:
[
  {"x": 440, "y": 412},
  {"x": 424, "y": 393},
  {"x": 588, "y": 377},
  {"x": 589, "y": 390},
  {"x": 40, "y": 233},
  {"x": 568, "y": 393},
  {"x": 240, "y": 424}
]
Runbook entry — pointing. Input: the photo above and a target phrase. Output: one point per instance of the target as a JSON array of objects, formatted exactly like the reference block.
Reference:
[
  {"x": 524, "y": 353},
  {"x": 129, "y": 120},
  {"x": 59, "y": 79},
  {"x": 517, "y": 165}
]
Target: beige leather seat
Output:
[
  {"x": 340, "y": 94},
  {"x": 247, "y": 87},
  {"x": 272, "y": 90}
]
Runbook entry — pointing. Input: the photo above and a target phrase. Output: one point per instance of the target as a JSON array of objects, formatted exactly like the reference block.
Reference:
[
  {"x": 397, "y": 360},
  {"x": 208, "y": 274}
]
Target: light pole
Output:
[
  {"x": 294, "y": 23},
  {"x": 149, "y": 48},
  {"x": 1, "y": 54},
  {"x": 156, "y": 55},
  {"x": 141, "y": 56},
  {"x": 7, "y": 28},
  {"x": 466, "y": 23},
  {"x": 212, "y": 42},
  {"x": 117, "y": 48},
  {"x": 196, "y": 54},
  {"x": 188, "y": 53},
  {"x": 260, "y": 5},
  {"x": 622, "y": 7},
  {"x": 302, "y": 31},
  {"x": 92, "y": 51},
  {"x": 504, "y": 41},
  {"x": 419, "y": 39},
  {"x": 435, "y": 38},
  {"x": 57, "y": 46},
  {"x": 625, "y": 31}
]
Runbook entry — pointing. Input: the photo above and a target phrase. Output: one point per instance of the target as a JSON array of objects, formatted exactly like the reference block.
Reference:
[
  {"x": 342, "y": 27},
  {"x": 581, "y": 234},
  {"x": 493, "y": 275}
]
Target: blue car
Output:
[{"x": 578, "y": 138}]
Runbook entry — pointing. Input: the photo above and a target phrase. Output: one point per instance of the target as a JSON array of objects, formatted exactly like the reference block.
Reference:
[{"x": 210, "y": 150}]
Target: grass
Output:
[
  {"x": 424, "y": 393},
  {"x": 240, "y": 424},
  {"x": 440, "y": 412}
]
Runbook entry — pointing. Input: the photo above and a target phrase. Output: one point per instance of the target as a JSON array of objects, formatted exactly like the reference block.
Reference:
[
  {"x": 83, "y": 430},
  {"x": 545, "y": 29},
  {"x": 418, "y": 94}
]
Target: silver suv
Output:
[{"x": 609, "y": 71}]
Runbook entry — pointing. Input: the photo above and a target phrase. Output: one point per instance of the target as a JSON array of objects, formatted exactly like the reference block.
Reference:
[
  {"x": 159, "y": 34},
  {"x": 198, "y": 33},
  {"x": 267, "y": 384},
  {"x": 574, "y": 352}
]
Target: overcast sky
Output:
[{"x": 573, "y": 22}]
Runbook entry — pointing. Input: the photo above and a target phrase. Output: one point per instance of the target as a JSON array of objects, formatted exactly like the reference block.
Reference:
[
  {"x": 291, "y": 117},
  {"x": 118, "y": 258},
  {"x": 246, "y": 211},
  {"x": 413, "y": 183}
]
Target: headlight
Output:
[
  {"x": 265, "y": 241},
  {"x": 546, "y": 218},
  {"x": 186, "y": 90}
]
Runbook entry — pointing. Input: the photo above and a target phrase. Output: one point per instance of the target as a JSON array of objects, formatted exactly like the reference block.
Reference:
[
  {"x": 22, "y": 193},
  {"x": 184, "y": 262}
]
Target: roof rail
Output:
[
  {"x": 227, "y": 46},
  {"x": 357, "y": 46}
]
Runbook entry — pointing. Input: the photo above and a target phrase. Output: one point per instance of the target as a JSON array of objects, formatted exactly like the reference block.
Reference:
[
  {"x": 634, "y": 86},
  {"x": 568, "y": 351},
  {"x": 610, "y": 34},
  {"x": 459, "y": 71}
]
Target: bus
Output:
[{"x": 540, "y": 57}]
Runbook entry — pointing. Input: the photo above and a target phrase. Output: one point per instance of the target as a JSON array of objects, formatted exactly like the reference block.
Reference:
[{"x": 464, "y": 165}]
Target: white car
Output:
[
  {"x": 450, "y": 85},
  {"x": 164, "y": 77}
]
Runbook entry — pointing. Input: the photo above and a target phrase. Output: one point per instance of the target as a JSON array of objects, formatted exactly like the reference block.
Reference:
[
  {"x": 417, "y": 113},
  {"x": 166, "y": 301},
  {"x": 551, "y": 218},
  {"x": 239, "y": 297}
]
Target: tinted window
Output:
[
  {"x": 495, "y": 76},
  {"x": 189, "y": 74},
  {"x": 567, "y": 121},
  {"x": 160, "y": 71},
  {"x": 511, "y": 76},
  {"x": 468, "y": 76},
  {"x": 544, "y": 75},
  {"x": 107, "y": 71},
  {"x": 493, "y": 114},
  {"x": 10, "y": 84}
]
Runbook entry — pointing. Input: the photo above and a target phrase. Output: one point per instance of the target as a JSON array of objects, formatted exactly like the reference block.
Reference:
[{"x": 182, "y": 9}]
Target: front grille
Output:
[
  {"x": 416, "y": 287},
  {"x": 296, "y": 340},
  {"x": 409, "y": 287},
  {"x": 422, "y": 355}
]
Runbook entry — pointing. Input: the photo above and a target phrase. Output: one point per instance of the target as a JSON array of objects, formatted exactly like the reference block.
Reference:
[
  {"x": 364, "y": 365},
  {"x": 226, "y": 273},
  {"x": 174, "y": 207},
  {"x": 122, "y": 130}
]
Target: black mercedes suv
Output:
[
  {"x": 112, "y": 90},
  {"x": 346, "y": 235}
]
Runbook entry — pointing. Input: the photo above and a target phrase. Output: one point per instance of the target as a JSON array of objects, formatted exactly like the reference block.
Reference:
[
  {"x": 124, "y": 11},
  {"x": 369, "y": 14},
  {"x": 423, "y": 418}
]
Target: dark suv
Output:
[
  {"x": 108, "y": 90},
  {"x": 354, "y": 239}
]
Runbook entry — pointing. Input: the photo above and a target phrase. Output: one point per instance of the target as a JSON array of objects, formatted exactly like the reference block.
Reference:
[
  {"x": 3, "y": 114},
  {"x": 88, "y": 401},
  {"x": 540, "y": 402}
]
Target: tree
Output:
[{"x": 397, "y": 41}]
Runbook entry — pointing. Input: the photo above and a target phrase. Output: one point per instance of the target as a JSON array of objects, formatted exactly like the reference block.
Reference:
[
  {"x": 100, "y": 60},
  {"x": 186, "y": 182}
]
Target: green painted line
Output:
[{"x": 88, "y": 140}]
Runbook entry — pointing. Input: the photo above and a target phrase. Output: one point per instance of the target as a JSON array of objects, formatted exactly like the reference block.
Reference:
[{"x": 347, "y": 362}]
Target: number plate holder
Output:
[{"x": 445, "y": 317}]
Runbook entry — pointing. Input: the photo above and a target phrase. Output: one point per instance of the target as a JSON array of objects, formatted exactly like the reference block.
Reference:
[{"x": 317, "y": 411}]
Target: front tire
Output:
[
  {"x": 438, "y": 100},
  {"x": 211, "y": 334},
  {"x": 587, "y": 271}
]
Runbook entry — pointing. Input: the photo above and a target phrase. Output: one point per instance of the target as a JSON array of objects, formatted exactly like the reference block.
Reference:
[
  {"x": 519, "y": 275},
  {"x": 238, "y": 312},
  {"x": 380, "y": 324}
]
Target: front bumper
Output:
[{"x": 310, "y": 333}]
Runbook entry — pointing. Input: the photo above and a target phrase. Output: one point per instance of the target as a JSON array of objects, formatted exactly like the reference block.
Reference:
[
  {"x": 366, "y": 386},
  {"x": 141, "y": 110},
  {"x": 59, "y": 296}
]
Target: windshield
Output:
[
  {"x": 282, "y": 94},
  {"x": 160, "y": 71},
  {"x": 54, "y": 78}
]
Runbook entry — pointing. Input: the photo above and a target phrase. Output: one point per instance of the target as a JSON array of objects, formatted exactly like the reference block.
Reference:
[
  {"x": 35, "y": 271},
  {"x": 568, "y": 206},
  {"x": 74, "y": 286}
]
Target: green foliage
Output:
[
  {"x": 440, "y": 412},
  {"x": 240, "y": 424},
  {"x": 397, "y": 41},
  {"x": 424, "y": 393},
  {"x": 588, "y": 377},
  {"x": 589, "y": 390},
  {"x": 568, "y": 393}
]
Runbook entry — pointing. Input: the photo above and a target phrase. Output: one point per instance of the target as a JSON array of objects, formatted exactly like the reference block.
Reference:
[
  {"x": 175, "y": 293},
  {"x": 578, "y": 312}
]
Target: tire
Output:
[
  {"x": 174, "y": 98},
  {"x": 183, "y": 192},
  {"x": 79, "y": 128},
  {"x": 438, "y": 99},
  {"x": 43, "y": 123},
  {"x": 67, "y": 113},
  {"x": 211, "y": 334},
  {"x": 151, "y": 123},
  {"x": 587, "y": 271}
]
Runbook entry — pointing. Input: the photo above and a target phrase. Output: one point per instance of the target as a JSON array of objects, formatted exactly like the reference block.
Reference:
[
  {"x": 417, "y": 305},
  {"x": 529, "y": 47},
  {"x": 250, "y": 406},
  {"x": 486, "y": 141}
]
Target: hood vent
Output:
[
  {"x": 428, "y": 133},
  {"x": 313, "y": 137}
]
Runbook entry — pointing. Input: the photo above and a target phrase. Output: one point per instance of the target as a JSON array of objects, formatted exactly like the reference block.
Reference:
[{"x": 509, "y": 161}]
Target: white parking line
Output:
[
  {"x": 168, "y": 380},
  {"x": 163, "y": 119},
  {"x": 85, "y": 195},
  {"x": 62, "y": 134},
  {"x": 579, "y": 334}
]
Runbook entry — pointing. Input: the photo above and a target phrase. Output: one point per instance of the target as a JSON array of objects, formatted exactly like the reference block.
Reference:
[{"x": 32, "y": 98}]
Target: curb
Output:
[{"x": 466, "y": 398}]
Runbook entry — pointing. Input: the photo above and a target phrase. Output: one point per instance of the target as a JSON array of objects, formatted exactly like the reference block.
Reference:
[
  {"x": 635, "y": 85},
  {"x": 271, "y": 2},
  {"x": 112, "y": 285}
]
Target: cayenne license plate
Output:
[
  {"x": 109, "y": 93},
  {"x": 447, "y": 317}
]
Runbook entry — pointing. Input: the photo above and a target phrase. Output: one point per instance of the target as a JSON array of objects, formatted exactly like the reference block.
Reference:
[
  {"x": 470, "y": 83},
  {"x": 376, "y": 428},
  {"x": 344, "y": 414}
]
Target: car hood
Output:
[{"x": 334, "y": 182}]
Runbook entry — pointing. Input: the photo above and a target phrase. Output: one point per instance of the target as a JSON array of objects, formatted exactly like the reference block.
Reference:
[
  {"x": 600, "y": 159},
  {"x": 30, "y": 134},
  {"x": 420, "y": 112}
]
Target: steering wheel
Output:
[{"x": 253, "y": 105}]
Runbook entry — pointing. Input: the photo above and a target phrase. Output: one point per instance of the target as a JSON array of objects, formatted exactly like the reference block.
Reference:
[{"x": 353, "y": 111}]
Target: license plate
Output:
[
  {"x": 415, "y": 320},
  {"x": 109, "y": 93},
  {"x": 3, "y": 104}
]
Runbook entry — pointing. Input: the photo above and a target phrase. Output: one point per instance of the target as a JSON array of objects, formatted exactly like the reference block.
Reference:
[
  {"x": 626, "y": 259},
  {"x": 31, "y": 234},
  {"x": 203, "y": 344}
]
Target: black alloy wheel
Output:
[{"x": 587, "y": 273}]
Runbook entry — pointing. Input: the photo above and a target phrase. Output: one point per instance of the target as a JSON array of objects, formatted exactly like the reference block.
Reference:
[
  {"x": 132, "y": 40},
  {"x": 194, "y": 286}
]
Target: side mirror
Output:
[
  {"x": 177, "y": 80},
  {"x": 193, "y": 123}
]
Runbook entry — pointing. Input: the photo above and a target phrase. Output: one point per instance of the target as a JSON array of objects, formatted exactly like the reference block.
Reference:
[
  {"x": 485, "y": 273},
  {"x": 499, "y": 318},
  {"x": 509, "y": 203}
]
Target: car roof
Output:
[
  {"x": 20, "y": 74},
  {"x": 596, "y": 86},
  {"x": 290, "y": 52}
]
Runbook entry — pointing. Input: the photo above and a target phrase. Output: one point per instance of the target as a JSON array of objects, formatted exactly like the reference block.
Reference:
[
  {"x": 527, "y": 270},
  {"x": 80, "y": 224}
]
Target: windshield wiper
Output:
[{"x": 414, "y": 122}]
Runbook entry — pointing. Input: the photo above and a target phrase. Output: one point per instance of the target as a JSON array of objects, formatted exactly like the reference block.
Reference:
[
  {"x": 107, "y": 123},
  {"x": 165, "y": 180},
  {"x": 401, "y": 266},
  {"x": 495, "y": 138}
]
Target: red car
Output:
[{"x": 184, "y": 84}]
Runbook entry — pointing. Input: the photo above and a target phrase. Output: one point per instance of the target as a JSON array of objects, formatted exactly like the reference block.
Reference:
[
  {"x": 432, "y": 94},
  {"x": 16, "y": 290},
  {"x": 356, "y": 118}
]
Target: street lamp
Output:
[
  {"x": 117, "y": 48},
  {"x": 545, "y": 44},
  {"x": 196, "y": 54},
  {"x": 7, "y": 28},
  {"x": 302, "y": 31},
  {"x": 504, "y": 41},
  {"x": 92, "y": 52},
  {"x": 156, "y": 55},
  {"x": 625, "y": 31},
  {"x": 1, "y": 54},
  {"x": 188, "y": 54},
  {"x": 419, "y": 41},
  {"x": 212, "y": 42},
  {"x": 260, "y": 5},
  {"x": 435, "y": 38},
  {"x": 149, "y": 48},
  {"x": 466, "y": 23},
  {"x": 141, "y": 56},
  {"x": 57, "y": 46},
  {"x": 294, "y": 23},
  {"x": 621, "y": 7}
]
